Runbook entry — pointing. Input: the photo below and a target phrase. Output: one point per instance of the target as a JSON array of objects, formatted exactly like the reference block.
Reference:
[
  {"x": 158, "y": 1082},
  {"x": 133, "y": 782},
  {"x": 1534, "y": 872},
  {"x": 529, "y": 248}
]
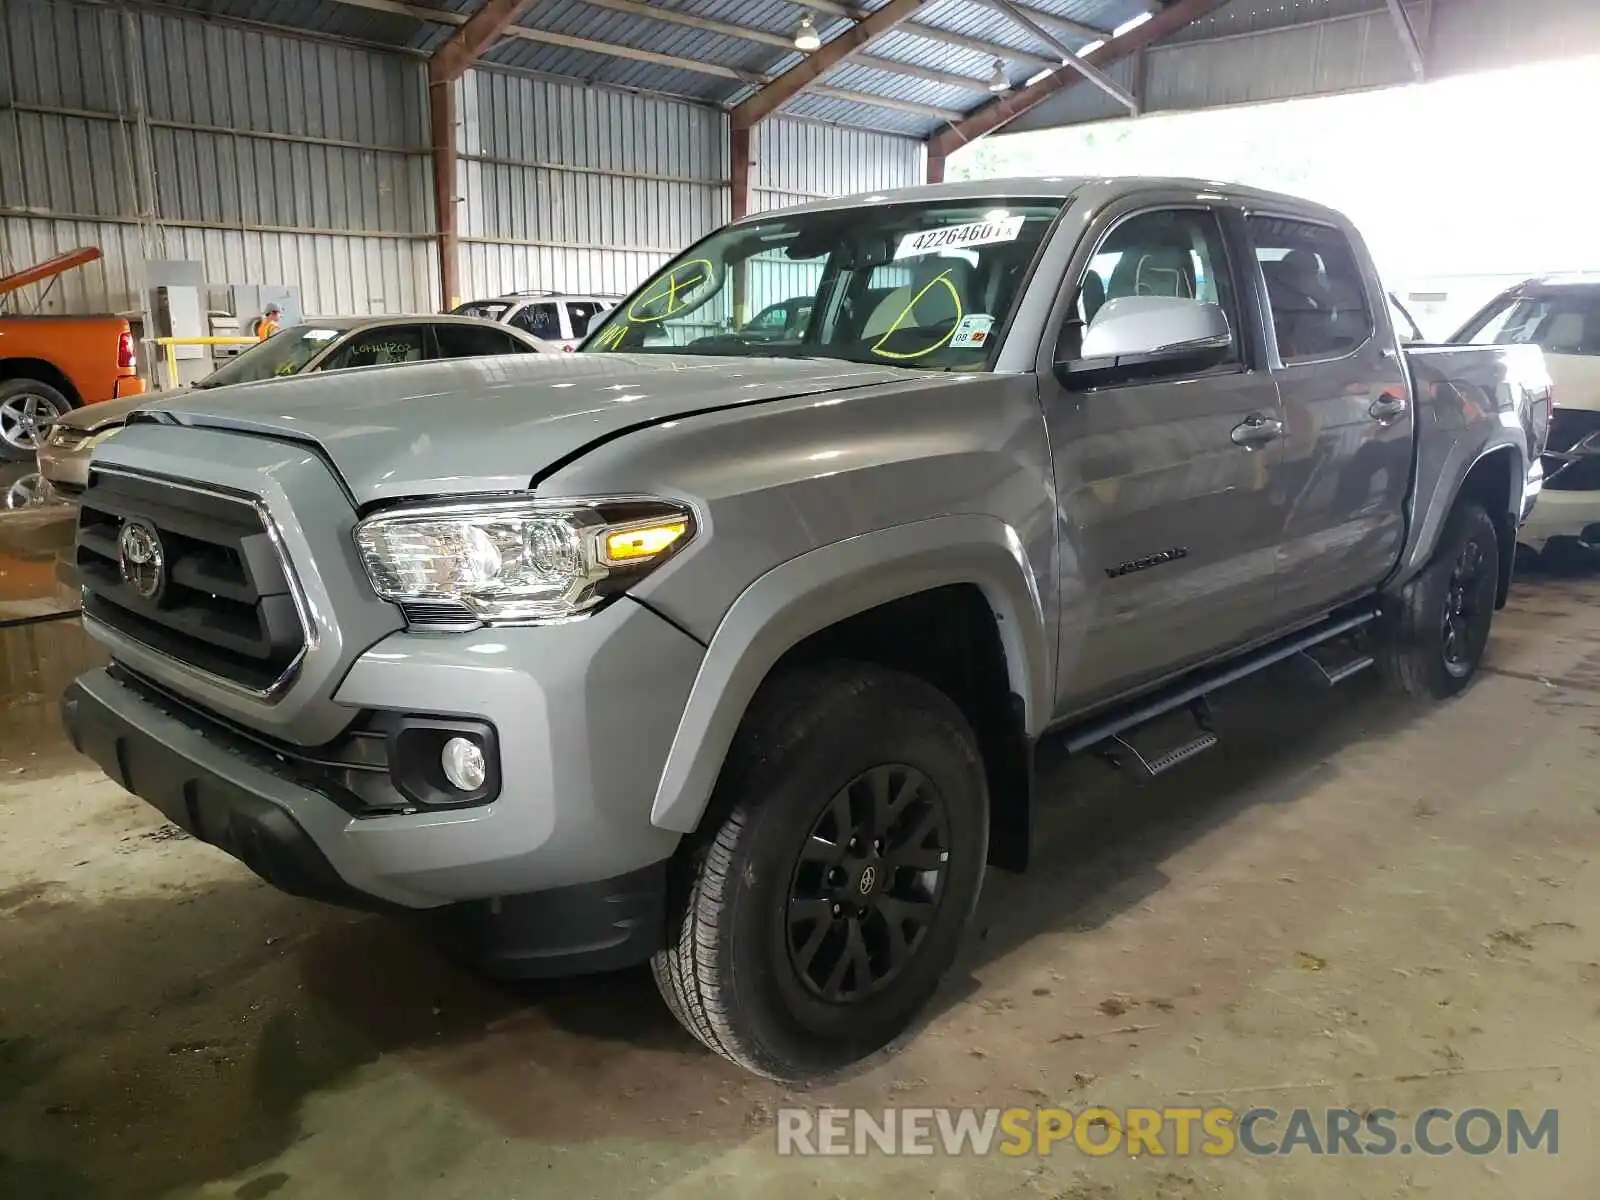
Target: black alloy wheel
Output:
[{"x": 868, "y": 883}]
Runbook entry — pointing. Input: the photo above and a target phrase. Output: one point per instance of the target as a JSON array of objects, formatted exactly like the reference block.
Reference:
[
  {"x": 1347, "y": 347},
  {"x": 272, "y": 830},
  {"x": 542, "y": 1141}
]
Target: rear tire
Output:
[
  {"x": 26, "y": 405},
  {"x": 852, "y": 804},
  {"x": 1435, "y": 637}
]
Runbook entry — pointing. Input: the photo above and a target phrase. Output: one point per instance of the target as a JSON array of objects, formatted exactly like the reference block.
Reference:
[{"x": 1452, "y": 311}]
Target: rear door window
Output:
[
  {"x": 580, "y": 313},
  {"x": 487, "y": 310},
  {"x": 1565, "y": 321},
  {"x": 1315, "y": 287},
  {"x": 384, "y": 346},
  {"x": 474, "y": 341},
  {"x": 541, "y": 320}
]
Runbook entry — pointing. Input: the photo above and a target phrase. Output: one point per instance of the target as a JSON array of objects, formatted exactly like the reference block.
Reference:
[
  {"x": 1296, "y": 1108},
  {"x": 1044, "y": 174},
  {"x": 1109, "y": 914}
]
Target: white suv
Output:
[
  {"x": 1561, "y": 315},
  {"x": 557, "y": 322}
]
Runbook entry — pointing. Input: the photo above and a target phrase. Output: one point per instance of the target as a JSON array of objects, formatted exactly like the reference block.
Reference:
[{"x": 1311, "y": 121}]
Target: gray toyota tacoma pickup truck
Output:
[{"x": 730, "y": 653}]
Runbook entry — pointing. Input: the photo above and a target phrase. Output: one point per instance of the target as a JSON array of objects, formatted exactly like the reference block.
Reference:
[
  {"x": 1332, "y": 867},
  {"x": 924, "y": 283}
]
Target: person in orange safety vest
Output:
[{"x": 268, "y": 323}]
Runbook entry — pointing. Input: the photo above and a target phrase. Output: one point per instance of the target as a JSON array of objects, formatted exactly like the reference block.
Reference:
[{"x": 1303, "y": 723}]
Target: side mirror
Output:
[{"x": 1139, "y": 330}]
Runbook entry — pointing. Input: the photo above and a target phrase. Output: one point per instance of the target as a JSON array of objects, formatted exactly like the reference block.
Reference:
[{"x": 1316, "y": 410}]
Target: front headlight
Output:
[
  {"x": 94, "y": 439},
  {"x": 70, "y": 437},
  {"x": 519, "y": 561}
]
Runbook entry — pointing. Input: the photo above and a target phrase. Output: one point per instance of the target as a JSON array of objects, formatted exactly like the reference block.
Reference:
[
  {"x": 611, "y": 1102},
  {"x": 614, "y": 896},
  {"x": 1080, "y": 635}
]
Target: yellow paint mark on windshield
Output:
[
  {"x": 674, "y": 291},
  {"x": 611, "y": 338},
  {"x": 905, "y": 315}
]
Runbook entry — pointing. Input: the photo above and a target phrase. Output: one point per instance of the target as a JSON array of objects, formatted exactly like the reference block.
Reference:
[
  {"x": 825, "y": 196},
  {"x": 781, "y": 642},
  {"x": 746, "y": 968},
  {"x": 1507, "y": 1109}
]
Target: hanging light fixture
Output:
[
  {"x": 805, "y": 37},
  {"x": 998, "y": 81}
]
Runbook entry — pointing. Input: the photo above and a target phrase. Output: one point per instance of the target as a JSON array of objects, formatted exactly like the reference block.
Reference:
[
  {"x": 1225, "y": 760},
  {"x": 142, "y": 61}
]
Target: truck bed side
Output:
[{"x": 83, "y": 357}]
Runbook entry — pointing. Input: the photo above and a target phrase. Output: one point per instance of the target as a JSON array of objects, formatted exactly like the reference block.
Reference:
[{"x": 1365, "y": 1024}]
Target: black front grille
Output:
[
  {"x": 225, "y": 606},
  {"x": 1569, "y": 426},
  {"x": 1563, "y": 470},
  {"x": 1575, "y": 475},
  {"x": 352, "y": 770}
]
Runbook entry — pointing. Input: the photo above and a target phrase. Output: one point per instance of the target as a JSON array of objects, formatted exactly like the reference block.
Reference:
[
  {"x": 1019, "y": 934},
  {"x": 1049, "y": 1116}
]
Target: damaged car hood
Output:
[{"x": 492, "y": 424}]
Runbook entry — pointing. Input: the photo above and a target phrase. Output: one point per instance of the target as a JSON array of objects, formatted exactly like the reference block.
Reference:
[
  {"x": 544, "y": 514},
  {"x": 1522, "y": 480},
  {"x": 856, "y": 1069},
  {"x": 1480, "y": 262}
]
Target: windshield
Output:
[
  {"x": 1564, "y": 321},
  {"x": 284, "y": 353},
  {"x": 912, "y": 285}
]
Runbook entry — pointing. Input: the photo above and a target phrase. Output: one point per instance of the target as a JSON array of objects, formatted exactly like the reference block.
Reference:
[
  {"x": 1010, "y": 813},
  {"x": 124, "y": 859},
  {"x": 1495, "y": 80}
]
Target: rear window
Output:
[
  {"x": 1559, "y": 322},
  {"x": 580, "y": 313},
  {"x": 487, "y": 310}
]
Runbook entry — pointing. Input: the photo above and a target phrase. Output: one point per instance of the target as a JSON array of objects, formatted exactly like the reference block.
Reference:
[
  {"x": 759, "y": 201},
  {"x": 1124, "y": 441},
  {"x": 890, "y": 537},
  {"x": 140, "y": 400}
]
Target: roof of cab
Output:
[
  {"x": 1097, "y": 189},
  {"x": 347, "y": 324}
]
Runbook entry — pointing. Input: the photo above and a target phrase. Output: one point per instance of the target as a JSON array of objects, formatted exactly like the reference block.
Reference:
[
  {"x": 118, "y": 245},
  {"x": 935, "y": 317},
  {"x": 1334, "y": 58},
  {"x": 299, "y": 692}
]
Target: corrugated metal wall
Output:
[
  {"x": 796, "y": 161},
  {"x": 567, "y": 188},
  {"x": 280, "y": 159},
  {"x": 1260, "y": 50},
  {"x": 1338, "y": 55},
  {"x": 270, "y": 159}
]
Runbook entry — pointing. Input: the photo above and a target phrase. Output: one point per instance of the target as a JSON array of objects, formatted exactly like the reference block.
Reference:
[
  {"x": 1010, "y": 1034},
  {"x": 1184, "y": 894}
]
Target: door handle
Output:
[
  {"x": 1388, "y": 407},
  {"x": 1257, "y": 430}
]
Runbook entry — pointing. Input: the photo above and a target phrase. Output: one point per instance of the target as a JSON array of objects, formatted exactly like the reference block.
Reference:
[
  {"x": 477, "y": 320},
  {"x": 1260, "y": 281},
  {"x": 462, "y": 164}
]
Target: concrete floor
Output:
[{"x": 1353, "y": 901}]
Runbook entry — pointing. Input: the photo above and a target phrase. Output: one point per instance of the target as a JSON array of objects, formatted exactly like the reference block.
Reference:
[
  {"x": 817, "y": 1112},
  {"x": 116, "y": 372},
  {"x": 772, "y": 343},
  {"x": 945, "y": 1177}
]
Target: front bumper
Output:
[
  {"x": 243, "y": 812},
  {"x": 65, "y": 469},
  {"x": 585, "y": 714}
]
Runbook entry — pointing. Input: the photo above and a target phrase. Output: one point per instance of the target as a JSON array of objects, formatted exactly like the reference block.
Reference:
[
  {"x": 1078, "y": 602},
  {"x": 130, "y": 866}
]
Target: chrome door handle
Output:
[
  {"x": 1257, "y": 430},
  {"x": 1387, "y": 408}
]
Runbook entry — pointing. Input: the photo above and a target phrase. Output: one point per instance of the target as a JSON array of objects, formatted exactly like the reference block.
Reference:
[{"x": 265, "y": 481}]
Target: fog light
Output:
[{"x": 464, "y": 764}]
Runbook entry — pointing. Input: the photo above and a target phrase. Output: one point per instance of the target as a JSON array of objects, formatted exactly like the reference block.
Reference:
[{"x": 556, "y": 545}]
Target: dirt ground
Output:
[{"x": 1353, "y": 901}]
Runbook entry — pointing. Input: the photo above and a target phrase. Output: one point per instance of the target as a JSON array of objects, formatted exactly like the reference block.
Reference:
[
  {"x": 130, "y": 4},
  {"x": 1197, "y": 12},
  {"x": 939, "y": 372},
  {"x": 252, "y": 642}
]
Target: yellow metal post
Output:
[{"x": 171, "y": 344}]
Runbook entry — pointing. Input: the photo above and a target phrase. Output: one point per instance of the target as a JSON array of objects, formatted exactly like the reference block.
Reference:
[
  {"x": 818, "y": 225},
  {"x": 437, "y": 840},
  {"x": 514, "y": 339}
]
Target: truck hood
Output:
[{"x": 491, "y": 424}]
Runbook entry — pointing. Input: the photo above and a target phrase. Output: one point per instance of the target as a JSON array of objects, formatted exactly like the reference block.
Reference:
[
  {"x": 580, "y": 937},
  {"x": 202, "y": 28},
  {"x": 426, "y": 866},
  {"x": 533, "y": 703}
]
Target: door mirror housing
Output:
[{"x": 1134, "y": 331}]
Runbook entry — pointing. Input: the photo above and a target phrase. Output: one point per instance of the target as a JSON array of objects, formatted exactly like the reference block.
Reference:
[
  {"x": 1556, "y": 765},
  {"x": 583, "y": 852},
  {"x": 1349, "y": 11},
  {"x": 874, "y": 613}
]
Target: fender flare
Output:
[
  {"x": 822, "y": 587},
  {"x": 1432, "y": 511}
]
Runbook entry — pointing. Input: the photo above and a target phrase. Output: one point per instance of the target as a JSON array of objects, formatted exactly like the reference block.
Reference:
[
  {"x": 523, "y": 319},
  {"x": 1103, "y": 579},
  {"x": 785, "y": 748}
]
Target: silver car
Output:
[{"x": 322, "y": 345}]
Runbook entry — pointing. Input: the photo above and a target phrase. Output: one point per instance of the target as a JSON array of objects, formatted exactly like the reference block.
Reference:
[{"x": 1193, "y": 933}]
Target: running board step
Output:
[
  {"x": 1191, "y": 690},
  {"x": 1126, "y": 754},
  {"x": 1330, "y": 665},
  {"x": 1163, "y": 742}
]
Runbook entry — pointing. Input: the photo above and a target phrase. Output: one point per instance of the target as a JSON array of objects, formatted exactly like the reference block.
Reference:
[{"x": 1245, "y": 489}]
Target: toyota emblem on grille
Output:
[{"x": 140, "y": 558}]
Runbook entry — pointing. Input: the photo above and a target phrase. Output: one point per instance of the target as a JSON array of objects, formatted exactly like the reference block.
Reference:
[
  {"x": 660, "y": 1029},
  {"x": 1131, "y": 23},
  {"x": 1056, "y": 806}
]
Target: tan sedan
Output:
[{"x": 330, "y": 345}]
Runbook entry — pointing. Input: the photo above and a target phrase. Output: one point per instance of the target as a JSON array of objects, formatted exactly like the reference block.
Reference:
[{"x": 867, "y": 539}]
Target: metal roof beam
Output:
[
  {"x": 441, "y": 16},
  {"x": 418, "y": 11},
  {"x": 719, "y": 71},
  {"x": 835, "y": 9},
  {"x": 1065, "y": 25},
  {"x": 781, "y": 41},
  {"x": 1408, "y": 39},
  {"x": 484, "y": 27},
  {"x": 616, "y": 50},
  {"x": 672, "y": 16},
  {"x": 1028, "y": 58},
  {"x": 896, "y": 67},
  {"x": 1069, "y": 57},
  {"x": 910, "y": 106},
  {"x": 795, "y": 80},
  {"x": 999, "y": 112}
]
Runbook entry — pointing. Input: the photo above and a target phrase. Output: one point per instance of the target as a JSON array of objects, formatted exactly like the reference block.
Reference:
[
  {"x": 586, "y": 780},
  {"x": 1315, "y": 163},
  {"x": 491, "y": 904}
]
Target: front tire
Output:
[
  {"x": 819, "y": 913},
  {"x": 1437, "y": 634}
]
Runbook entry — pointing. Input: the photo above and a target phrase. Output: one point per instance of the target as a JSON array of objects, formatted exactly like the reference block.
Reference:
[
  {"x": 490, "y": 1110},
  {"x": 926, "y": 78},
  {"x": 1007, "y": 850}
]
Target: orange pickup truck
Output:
[{"x": 50, "y": 364}]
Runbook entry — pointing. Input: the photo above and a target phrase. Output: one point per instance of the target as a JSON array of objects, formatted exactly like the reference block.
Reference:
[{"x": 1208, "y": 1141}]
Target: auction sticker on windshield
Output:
[
  {"x": 972, "y": 331},
  {"x": 959, "y": 237}
]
